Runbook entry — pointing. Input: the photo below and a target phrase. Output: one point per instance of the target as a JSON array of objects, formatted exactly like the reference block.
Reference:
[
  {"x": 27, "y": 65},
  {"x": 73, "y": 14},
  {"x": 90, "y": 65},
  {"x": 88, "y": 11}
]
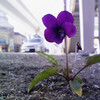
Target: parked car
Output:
[{"x": 33, "y": 45}]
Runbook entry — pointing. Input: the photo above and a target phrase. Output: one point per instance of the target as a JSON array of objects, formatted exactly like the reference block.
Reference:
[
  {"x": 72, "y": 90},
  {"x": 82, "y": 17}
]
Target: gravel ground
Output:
[{"x": 17, "y": 70}]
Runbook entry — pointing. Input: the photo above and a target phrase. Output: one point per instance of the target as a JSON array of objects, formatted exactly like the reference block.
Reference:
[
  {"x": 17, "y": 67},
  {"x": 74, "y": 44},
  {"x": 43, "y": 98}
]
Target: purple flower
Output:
[{"x": 58, "y": 28}]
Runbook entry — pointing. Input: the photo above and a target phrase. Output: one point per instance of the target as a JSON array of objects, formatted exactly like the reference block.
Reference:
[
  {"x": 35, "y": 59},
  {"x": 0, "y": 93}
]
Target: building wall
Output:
[
  {"x": 18, "y": 40},
  {"x": 76, "y": 38},
  {"x": 6, "y": 30}
]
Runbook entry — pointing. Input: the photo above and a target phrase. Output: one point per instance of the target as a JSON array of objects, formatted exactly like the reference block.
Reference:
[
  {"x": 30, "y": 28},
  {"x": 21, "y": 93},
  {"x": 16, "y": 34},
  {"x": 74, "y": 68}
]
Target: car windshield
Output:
[{"x": 34, "y": 40}]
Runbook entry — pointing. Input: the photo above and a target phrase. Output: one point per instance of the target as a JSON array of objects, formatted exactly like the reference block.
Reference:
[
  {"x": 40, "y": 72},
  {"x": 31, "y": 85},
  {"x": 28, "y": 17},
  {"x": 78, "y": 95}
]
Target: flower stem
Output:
[
  {"x": 75, "y": 58},
  {"x": 78, "y": 72},
  {"x": 66, "y": 59}
]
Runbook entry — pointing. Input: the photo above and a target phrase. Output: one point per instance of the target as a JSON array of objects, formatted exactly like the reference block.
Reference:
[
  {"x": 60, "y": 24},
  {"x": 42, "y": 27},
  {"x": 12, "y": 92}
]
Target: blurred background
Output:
[{"x": 22, "y": 30}]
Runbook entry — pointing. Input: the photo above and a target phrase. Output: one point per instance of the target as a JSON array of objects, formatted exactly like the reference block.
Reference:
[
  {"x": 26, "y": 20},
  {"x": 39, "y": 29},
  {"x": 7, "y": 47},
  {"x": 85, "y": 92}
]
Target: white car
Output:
[{"x": 33, "y": 45}]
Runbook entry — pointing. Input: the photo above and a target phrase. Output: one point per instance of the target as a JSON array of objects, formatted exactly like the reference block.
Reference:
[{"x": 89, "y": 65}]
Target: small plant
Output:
[{"x": 57, "y": 30}]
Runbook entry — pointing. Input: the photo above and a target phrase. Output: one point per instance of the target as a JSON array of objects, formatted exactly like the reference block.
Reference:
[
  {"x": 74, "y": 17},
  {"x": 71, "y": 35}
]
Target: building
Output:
[
  {"x": 18, "y": 41},
  {"x": 6, "y": 33}
]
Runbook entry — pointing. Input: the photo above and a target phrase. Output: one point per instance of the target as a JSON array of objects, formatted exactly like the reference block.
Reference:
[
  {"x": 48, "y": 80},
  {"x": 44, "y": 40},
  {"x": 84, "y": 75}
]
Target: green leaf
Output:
[
  {"x": 76, "y": 87},
  {"x": 92, "y": 60},
  {"x": 64, "y": 71},
  {"x": 78, "y": 79},
  {"x": 49, "y": 58},
  {"x": 43, "y": 75}
]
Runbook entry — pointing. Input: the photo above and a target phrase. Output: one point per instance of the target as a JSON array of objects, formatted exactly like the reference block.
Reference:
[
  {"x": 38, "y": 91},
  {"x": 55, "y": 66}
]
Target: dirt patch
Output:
[{"x": 18, "y": 70}]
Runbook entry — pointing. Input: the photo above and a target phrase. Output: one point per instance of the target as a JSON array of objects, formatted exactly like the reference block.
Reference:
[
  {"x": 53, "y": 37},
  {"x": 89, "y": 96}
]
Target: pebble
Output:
[{"x": 96, "y": 86}]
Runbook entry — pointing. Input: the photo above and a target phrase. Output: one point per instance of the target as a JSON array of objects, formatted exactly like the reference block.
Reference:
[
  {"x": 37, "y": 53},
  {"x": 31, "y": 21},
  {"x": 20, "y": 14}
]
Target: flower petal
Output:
[
  {"x": 49, "y": 21},
  {"x": 63, "y": 17},
  {"x": 70, "y": 29},
  {"x": 50, "y": 35},
  {"x": 58, "y": 41}
]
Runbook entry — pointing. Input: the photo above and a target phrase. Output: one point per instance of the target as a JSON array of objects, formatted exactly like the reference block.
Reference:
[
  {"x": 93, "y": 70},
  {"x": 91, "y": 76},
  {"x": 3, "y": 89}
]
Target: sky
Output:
[{"x": 41, "y": 7}]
